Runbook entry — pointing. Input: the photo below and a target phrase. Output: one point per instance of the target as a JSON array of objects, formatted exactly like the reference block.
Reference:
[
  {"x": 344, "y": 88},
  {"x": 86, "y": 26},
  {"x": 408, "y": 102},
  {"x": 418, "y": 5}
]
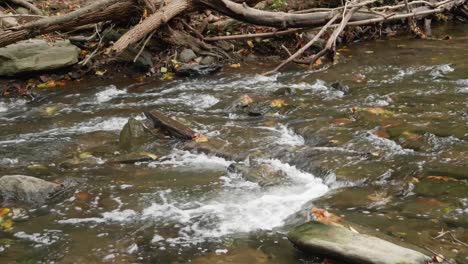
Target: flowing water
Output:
[{"x": 367, "y": 156}]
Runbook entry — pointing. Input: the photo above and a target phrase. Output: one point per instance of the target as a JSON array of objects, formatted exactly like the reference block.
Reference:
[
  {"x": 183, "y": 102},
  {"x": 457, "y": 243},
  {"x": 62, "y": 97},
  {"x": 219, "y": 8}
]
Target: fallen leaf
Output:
[
  {"x": 235, "y": 65},
  {"x": 51, "y": 84},
  {"x": 326, "y": 217},
  {"x": 4, "y": 211},
  {"x": 342, "y": 121},
  {"x": 6, "y": 224},
  {"x": 250, "y": 44},
  {"x": 318, "y": 62},
  {"x": 168, "y": 76},
  {"x": 278, "y": 103},
  {"x": 442, "y": 178},
  {"x": 100, "y": 73},
  {"x": 200, "y": 138},
  {"x": 379, "y": 111},
  {"x": 381, "y": 133}
]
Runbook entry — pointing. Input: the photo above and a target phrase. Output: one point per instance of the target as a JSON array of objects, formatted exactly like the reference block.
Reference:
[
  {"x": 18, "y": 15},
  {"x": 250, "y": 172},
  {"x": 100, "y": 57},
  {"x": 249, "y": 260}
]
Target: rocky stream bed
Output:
[{"x": 381, "y": 142}]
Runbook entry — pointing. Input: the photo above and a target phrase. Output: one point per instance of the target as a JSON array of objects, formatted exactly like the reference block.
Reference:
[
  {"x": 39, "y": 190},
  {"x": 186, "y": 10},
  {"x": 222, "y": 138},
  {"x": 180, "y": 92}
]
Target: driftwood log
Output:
[{"x": 173, "y": 127}]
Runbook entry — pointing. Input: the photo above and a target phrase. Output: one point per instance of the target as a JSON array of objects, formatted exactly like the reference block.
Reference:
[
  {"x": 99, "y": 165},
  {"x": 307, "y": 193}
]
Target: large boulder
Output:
[
  {"x": 341, "y": 243},
  {"x": 26, "y": 189},
  {"x": 36, "y": 55}
]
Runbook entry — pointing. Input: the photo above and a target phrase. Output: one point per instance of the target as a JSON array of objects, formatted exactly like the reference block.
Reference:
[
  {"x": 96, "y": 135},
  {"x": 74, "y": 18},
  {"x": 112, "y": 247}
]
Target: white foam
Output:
[
  {"x": 113, "y": 216},
  {"x": 108, "y": 94},
  {"x": 44, "y": 239},
  {"x": 97, "y": 124},
  {"x": 377, "y": 100},
  {"x": 185, "y": 158},
  {"x": 441, "y": 70},
  {"x": 8, "y": 161},
  {"x": 285, "y": 136},
  {"x": 196, "y": 101},
  {"x": 288, "y": 137},
  {"x": 235, "y": 210},
  {"x": 390, "y": 146}
]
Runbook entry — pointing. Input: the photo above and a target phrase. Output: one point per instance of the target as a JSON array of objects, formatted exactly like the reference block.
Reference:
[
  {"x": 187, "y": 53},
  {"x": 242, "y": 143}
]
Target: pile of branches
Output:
[{"x": 153, "y": 14}]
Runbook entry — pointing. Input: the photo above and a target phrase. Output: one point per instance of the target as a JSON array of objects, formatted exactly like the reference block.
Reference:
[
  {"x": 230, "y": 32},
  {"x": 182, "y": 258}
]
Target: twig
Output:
[
  {"x": 143, "y": 46},
  {"x": 435, "y": 253},
  {"x": 308, "y": 45},
  {"x": 442, "y": 234},
  {"x": 200, "y": 36},
  {"x": 257, "y": 35},
  {"x": 22, "y": 15},
  {"x": 101, "y": 38},
  {"x": 29, "y": 6}
]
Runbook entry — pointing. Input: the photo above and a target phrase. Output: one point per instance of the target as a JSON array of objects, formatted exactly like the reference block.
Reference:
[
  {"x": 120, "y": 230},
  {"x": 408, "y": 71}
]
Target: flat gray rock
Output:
[
  {"x": 341, "y": 243},
  {"x": 36, "y": 55},
  {"x": 27, "y": 189}
]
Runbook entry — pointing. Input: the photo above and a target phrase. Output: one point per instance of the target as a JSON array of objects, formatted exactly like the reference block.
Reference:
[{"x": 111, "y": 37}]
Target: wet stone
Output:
[
  {"x": 341, "y": 87},
  {"x": 26, "y": 189},
  {"x": 134, "y": 134},
  {"x": 341, "y": 243},
  {"x": 434, "y": 188},
  {"x": 187, "y": 55},
  {"x": 190, "y": 70}
]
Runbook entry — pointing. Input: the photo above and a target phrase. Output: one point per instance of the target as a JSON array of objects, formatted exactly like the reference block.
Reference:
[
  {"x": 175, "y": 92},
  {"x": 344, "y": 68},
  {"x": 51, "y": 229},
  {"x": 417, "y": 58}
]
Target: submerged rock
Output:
[
  {"x": 37, "y": 55},
  {"x": 27, "y": 189},
  {"x": 188, "y": 70},
  {"x": 340, "y": 87},
  {"x": 262, "y": 173},
  {"x": 341, "y": 243}
]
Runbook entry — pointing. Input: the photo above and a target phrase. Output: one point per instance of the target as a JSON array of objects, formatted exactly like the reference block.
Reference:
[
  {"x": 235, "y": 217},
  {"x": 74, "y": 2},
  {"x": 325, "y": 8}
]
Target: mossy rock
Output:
[
  {"x": 343, "y": 244},
  {"x": 430, "y": 187}
]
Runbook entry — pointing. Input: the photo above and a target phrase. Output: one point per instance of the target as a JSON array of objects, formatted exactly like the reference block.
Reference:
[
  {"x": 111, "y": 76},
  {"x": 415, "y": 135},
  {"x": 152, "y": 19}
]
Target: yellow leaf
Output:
[
  {"x": 200, "y": 138},
  {"x": 7, "y": 224},
  {"x": 145, "y": 13},
  {"x": 51, "y": 84},
  {"x": 235, "y": 65},
  {"x": 100, "y": 73},
  {"x": 278, "y": 103},
  {"x": 168, "y": 76},
  {"x": 85, "y": 155},
  {"x": 250, "y": 43},
  {"x": 37, "y": 167}
]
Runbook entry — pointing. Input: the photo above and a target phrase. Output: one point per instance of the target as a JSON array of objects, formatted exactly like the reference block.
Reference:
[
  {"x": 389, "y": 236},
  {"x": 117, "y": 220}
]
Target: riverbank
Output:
[{"x": 193, "y": 44}]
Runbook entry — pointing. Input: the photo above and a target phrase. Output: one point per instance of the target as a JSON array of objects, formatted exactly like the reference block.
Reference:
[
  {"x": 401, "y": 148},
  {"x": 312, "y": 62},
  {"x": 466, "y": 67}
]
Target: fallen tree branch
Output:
[
  {"x": 303, "y": 49},
  {"x": 102, "y": 10},
  {"x": 274, "y": 19},
  {"x": 150, "y": 24},
  {"x": 331, "y": 43}
]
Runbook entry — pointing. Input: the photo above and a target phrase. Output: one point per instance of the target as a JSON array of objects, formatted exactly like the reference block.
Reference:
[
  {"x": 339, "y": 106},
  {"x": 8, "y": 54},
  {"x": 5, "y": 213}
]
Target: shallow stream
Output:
[{"x": 391, "y": 155}]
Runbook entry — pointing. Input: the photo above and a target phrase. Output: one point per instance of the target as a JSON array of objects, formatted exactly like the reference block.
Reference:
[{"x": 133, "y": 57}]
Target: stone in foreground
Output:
[
  {"x": 36, "y": 55},
  {"x": 341, "y": 243},
  {"x": 26, "y": 189}
]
